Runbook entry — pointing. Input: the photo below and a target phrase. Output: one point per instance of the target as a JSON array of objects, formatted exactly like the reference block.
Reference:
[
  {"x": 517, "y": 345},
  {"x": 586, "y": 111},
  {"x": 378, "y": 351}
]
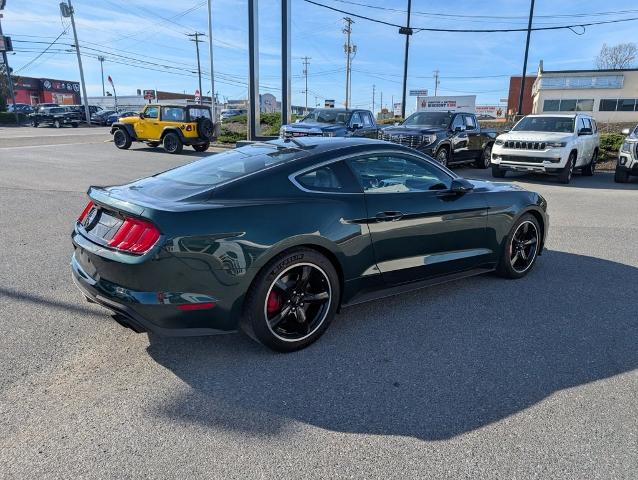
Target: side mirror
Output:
[
  {"x": 141, "y": 114},
  {"x": 458, "y": 129},
  {"x": 585, "y": 131},
  {"x": 625, "y": 131},
  {"x": 356, "y": 126},
  {"x": 461, "y": 186}
]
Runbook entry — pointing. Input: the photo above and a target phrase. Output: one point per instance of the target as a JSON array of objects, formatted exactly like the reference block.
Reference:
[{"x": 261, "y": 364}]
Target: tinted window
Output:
[
  {"x": 151, "y": 112},
  {"x": 608, "y": 105},
  {"x": 626, "y": 104},
  {"x": 172, "y": 114},
  {"x": 470, "y": 123},
  {"x": 551, "y": 106},
  {"x": 458, "y": 122},
  {"x": 335, "y": 177},
  {"x": 327, "y": 115},
  {"x": 586, "y": 105},
  {"x": 568, "y": 105},
  {"x": 397, "y": 174},
  {"x": 545, "y": 124},
  {"x": 232, "y": 164}
]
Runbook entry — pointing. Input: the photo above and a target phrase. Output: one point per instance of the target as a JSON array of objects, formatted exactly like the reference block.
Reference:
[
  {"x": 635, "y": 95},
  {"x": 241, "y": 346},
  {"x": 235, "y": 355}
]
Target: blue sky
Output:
[{"x": 154, "y": 31}]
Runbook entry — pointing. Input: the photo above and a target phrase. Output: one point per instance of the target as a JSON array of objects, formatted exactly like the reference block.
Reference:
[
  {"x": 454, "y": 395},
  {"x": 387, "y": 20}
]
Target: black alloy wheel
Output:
[
  {"x": 486, "y": 158},
  {"x": 521, "y": 248},
  {"x": 172, "y": 143},
  {"x": 442, "y": 156},
  {"x": 202, "y": 147},
  {"x": 292, "y": 301},
  {"x": 57, "y": 124},
  {"x": 122, "y": 139},
  {"x": 589, "y": 169}
]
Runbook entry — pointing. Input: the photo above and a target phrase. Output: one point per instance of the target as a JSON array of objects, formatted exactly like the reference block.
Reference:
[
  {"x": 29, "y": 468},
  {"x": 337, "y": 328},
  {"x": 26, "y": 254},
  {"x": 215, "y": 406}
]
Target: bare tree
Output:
[{"x": 616, "y": 56}]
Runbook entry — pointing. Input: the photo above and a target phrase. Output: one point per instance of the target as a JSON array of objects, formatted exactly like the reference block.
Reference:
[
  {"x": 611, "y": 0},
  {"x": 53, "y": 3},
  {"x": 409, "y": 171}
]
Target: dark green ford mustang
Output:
[{"x": 276, "y": 237}]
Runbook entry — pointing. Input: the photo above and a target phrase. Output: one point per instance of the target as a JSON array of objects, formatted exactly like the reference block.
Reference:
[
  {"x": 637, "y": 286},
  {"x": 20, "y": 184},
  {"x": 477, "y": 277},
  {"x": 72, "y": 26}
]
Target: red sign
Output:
[
  {"x": 197, "y": 95},
  {"x": 149, "y": 94}
]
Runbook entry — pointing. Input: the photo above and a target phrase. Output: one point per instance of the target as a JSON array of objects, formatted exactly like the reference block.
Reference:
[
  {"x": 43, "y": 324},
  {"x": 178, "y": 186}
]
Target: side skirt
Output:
[{"x": 410, "y": 287}]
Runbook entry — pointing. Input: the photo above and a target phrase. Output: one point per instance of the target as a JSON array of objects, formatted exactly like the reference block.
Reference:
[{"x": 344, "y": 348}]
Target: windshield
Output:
[
  {"x": 545, "y": 124},
  {"x": 429, "y": 119},
  {"x": 327, "y": 116},
  {"x": 222, "y": 167}
]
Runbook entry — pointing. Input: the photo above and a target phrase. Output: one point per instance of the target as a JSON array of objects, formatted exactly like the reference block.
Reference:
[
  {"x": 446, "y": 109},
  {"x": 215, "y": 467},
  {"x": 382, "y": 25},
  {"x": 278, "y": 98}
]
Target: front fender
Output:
[{"x": 126, "y": 126}]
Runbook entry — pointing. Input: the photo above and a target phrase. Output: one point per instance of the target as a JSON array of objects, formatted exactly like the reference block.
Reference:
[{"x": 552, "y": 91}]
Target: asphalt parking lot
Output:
[{"x": 482, "y": 378}]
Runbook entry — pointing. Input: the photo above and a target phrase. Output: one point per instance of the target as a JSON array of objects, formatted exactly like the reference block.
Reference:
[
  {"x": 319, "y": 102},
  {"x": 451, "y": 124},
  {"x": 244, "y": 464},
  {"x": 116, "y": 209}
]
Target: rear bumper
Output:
[{"x": 156, "y": 312}]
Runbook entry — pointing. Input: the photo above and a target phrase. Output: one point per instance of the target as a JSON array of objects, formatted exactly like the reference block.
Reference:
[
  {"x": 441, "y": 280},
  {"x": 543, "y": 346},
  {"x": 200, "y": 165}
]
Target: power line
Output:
[
  {"x": 478, "y": 30},
  {"x": 30, "y": 62}
]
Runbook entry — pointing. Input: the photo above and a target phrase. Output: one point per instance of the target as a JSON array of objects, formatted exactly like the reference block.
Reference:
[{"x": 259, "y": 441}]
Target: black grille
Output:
[
  {"x": 525, "y": 145},
  {"x": 407, "y": 140},
  {"x": 516, "y": 158}
]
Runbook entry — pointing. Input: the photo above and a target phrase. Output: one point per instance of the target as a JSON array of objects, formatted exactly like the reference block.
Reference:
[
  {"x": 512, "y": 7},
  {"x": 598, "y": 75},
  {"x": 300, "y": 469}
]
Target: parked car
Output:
[
  {"x": 333, "y": 122},
  {"x": 20, "y": 108},
  {"x": 171, "y": 125},
  {"x": 627, "y": 164},
  {"x": 115, "y": 116},
  {"x": 231, "y": 113},
  {"x": 263, "y": 238},
  {"x": 449, "y": 137},
  {"x": 100, "y": 117},
  {"x": 548, "y": 143},
  {"x": 54, "y": 116},
  {"x": 45, "y": 105},
  {"x": 93, "y": 109}
]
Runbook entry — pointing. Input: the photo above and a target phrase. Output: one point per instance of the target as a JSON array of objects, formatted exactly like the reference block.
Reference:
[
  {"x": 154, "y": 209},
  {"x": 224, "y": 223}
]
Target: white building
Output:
[{"x": 609, "y": 95}]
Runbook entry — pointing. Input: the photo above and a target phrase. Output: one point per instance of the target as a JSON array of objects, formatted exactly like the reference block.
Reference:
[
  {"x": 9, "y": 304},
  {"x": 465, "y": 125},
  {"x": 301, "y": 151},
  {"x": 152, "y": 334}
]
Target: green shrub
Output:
[
  {"x": 610, "y": 143},
  {"x": 389, "y": 121}
]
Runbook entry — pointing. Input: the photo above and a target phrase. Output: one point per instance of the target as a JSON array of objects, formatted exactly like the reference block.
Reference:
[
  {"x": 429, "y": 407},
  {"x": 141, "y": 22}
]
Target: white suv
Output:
[
  {"x": 628, "y": 157},
  {"x": 548, "y": 143}
]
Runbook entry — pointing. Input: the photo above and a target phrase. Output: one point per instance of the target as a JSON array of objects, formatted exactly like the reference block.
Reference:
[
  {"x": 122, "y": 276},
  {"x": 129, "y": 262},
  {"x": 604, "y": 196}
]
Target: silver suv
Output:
[{"x": 628, "y": 157}]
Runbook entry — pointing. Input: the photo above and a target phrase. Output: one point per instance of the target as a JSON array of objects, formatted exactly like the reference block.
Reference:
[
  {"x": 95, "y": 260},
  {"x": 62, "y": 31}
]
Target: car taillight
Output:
[
  {"x": 86, "y": 210},
  {"x": 135, "y": 236}
]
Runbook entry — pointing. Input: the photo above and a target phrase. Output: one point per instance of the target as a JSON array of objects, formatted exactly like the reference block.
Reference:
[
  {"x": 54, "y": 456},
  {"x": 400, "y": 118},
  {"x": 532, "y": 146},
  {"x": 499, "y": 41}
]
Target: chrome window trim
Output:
[{"x": 293, "y": 176}]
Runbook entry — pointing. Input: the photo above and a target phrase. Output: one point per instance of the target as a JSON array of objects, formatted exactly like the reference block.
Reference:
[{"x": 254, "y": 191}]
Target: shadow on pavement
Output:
[{"x": 432, "y": 364}]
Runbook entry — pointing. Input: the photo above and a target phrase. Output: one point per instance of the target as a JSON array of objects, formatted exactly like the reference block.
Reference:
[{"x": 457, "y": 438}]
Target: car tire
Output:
[
  {"x": 565, "y": 175},
  {"x": 202, "y": 147},
  {"x": 292, "y": 300},
  {"x": 122, "y": 139},
  {"x": 589, "y": 169},
  {"x": 172, "y": 143},
  {"x": 497, "y": 172},
  {"x": 75, "y": 125},
  {"x": 205, "y": 129},
  {"x": 57, "y": 124},
  {"x": 621, "y": 176},
  {"x": 520, "y": 248},
  {"x": 486, "y": 158},
  {"x": 443, "y": 156},
  {"x": 34, "y": 124}
]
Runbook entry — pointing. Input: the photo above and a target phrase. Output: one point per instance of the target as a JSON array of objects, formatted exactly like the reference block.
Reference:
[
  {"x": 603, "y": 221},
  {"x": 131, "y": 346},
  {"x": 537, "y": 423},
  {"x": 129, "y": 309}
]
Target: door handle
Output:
[{"x": 388, "y": 216}]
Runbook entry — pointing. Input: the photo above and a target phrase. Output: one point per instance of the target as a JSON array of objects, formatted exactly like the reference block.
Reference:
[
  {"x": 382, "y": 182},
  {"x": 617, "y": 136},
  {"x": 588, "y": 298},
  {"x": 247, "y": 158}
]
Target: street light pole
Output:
[
  {"x": 87, "y": 111},
  {"x": 210, "y": 54},
  {"x": 199, "y": 68},
  {"x": 407, "y": 31}
]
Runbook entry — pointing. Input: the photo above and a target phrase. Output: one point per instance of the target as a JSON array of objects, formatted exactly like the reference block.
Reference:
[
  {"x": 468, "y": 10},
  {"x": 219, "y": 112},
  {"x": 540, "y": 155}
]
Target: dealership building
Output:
[
  {"x": 609, "y": 95},
  {"x": 46, "y": 90}
]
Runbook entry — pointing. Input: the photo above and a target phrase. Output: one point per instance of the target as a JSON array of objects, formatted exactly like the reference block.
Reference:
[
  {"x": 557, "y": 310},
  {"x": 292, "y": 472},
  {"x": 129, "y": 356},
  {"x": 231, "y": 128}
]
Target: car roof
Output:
[
  {"x": 563, "y": 115},
  {"x": 320, "y": 145}
]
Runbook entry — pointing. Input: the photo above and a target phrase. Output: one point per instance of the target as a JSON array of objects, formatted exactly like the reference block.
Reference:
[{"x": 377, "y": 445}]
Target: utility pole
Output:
[
  {"x": 197, "y": 41},
  {"x": 348, "y": 49},
  {"x": 373, "y": 95},
  {"x": 381, "y": 102},
  {"x": 101, "y": 60},
  {"x": 68, "y": 12},
  {"x": 305, "y": 72},
  {"x": 407, "y": 31},
  {"x": 213, "y": 100},
  {"x": 436, "y": 82},
  {"x": 5, "y": 61},
  {"x": 529, "y": 32}
]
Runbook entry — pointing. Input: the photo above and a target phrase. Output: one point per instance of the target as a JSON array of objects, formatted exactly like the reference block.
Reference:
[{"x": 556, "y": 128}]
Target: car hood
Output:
[
  {"x": 412, "y": 130},
  {"x": 535, "y": 136}
]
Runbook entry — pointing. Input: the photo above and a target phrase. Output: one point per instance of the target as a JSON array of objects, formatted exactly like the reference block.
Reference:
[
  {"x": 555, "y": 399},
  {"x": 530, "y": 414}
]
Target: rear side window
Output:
[
  {"x": 173, "y": 114},
  {"x": 335, "y": 177},
  {"x": 470, "y": 123}
]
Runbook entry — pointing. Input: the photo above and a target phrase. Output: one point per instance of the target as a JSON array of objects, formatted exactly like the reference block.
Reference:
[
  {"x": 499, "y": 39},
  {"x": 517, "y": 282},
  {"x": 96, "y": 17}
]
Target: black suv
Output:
[{"x": 56, "y": 116}]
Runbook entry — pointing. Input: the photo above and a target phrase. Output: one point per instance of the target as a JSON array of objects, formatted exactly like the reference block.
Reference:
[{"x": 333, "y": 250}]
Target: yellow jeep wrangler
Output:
[{"x": 171, "y": 125}]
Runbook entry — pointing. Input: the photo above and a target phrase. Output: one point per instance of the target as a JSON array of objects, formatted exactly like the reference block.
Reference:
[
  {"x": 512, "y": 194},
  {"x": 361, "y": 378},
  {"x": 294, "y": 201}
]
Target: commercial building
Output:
[
  {"x": 609, "y": 95},
  {"x": 515, "y": 92},
  {"x": 46, "y": 90}
]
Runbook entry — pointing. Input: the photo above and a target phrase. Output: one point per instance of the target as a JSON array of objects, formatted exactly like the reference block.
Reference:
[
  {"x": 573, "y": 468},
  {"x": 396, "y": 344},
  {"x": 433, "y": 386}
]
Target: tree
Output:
[{"x": 617, "y": 56}]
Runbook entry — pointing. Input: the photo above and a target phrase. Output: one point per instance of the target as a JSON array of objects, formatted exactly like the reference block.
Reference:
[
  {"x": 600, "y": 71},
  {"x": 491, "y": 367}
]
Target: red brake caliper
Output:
[{"x": 274, "y": 303}]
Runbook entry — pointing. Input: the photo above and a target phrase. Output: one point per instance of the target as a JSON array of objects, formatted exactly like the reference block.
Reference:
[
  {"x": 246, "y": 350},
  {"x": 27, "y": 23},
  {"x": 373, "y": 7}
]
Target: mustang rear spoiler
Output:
[{"x": 102, "y": 196}]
